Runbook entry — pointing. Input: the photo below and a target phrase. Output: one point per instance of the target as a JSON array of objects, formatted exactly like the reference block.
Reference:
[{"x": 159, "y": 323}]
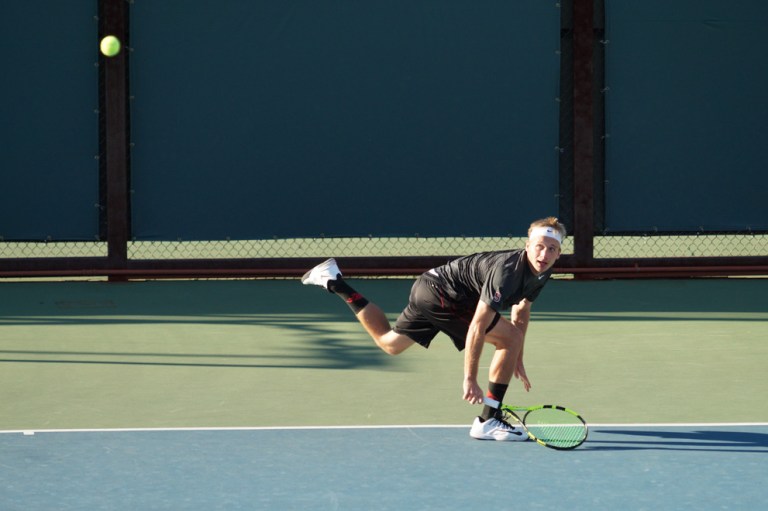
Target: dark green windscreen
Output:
[
  {"x": 686, "y": 115},
  {"x": 260, "y": 119},
  {"x": 48, "y": 120}
]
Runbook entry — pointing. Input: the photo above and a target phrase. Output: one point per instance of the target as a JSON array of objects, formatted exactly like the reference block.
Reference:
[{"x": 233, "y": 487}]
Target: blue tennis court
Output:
[{"x": 640, "y": 467}]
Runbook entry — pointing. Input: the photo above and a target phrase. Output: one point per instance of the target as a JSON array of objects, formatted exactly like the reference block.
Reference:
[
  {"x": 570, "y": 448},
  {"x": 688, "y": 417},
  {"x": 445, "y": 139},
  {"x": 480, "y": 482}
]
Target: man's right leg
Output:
[
  {"x": 373, "y": 319},
  {"x": 376, "y": 324}
]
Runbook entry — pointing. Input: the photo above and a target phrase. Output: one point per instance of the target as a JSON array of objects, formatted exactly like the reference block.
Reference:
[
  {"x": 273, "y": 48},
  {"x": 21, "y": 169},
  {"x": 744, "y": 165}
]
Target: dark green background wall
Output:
[
  {"x": 261, "y": 119},
  {"x": 48, "y": 120},
  {"x": 343, "y": 118},
  {"x": 687, "y": 115}
]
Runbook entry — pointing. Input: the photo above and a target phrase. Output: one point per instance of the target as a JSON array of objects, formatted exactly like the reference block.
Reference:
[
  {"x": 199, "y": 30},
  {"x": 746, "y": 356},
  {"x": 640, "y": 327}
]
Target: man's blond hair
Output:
[{"x": 550, "y": 221}]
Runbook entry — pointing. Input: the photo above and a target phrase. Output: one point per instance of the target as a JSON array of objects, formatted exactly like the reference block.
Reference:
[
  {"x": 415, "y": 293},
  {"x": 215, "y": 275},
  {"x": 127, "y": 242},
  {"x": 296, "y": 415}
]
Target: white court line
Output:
[{"x": 394, "y": 426}]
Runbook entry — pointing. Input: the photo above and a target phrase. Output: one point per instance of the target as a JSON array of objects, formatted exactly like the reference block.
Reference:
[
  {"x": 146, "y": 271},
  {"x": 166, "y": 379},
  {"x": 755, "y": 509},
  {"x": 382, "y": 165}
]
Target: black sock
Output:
[
  {"x": 355, "y": 300},
  {"x": 496, "y": 391}
]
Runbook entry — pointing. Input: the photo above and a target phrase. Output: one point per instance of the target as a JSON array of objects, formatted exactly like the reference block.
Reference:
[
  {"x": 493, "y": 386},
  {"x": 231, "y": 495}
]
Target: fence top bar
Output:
[{"x": 287, "y": 272}]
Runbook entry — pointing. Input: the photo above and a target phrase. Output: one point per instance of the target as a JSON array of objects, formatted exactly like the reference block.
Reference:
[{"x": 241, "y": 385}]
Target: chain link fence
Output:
[
  {"x": 50, "y": 249},
  {"x": 274, "y": 248},
  {"x": 672, "y": 245},
  {"x": 614, "y": 246}
]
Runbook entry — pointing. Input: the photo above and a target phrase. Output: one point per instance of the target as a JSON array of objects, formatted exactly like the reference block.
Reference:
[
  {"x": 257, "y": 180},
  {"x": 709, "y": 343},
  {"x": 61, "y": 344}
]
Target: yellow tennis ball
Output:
[{"x": 110, "y": 46}]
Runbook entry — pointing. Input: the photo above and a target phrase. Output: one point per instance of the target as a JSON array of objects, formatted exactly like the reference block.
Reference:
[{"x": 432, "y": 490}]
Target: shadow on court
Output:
[
  {"x": 217, "y": 324},
  {"x": 319, "y": 349},
  {"x": 654, "y": 300},
  {"x": 686, "y": 440}
]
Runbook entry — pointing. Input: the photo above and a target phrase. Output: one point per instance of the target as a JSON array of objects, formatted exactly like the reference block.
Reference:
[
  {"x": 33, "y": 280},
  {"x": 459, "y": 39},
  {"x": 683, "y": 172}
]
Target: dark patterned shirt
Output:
[{"x": 500, "y": 279}]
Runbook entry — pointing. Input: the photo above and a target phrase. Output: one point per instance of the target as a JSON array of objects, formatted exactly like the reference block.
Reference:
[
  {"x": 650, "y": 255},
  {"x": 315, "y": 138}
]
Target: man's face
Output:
[{"x": 542, "y": 252}]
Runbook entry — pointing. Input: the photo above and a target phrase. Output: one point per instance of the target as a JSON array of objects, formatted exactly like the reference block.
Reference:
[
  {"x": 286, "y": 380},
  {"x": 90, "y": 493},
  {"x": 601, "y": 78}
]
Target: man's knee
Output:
[
  {"x": 505, "y": 342},
  {"x": 505, "y": 335},
  {"x": 393, "y": 343}
]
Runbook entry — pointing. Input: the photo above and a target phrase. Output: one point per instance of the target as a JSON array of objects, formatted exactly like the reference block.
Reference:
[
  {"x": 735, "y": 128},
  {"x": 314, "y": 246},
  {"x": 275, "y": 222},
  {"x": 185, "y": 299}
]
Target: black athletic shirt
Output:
[{"x": 501, "y": 279}]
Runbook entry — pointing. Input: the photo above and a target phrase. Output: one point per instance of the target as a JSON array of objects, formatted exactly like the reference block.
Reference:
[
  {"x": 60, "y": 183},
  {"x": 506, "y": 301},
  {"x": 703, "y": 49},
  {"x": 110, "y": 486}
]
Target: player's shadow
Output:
[
  {"x": 678, "y": 440},
  {"x": 288, "y": 325},
  {"x": 310, "y": 346}
]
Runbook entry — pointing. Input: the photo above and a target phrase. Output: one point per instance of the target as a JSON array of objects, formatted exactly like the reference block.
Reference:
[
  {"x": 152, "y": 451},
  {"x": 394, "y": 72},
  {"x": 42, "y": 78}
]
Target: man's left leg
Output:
[
  {"x": 490, "y": 425},
  {"x": 508, "y": 341},
  {"x": 328, "y": 275}
]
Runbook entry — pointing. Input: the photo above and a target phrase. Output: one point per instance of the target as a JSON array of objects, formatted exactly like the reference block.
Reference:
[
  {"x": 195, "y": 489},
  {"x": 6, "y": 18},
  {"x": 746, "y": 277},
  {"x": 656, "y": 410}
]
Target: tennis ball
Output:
[{"x": 110, "y": 46}]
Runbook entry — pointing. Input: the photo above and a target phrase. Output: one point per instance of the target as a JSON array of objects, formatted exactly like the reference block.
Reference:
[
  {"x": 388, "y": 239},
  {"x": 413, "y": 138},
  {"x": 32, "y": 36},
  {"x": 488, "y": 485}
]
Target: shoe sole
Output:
[{"x": 486, "y": 439}]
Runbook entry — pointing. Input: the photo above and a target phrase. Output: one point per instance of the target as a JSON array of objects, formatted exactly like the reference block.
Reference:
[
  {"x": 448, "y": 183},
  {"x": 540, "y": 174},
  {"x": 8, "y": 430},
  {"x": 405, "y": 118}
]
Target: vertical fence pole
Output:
[
  {"x": 113, "y": 16},
  {"x": 583, "y": 131}
]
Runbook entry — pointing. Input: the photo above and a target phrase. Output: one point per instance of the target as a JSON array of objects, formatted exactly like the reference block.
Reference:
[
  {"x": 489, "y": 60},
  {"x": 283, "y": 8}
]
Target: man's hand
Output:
[
  {"x": 520, "y": 375},
  {"x": 472, "y": 392}
]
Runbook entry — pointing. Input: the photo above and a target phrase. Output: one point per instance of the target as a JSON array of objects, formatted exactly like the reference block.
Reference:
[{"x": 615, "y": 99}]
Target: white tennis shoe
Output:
[
  {"x": 497, "y": 429},
  {"x": 321, "y": 274}
]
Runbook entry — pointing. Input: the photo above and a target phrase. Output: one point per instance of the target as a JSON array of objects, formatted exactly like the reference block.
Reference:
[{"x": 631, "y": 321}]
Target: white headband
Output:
[{"x": 548, "y": 232}]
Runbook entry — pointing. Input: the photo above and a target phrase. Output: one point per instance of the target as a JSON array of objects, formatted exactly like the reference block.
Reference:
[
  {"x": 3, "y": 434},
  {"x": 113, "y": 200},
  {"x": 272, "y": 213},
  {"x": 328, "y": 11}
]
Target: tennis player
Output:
[{"x": 464, "y": 299}]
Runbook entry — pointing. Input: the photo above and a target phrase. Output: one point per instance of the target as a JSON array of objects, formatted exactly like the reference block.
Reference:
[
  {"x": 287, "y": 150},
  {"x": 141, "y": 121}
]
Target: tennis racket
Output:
[{"x": 552, "y": 426}]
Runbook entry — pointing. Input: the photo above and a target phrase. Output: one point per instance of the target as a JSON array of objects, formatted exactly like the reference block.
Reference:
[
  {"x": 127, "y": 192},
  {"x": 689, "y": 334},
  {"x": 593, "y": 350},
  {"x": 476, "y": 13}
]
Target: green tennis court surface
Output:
[
  {"x": 272, "y": 353},
  {"x": 649, "y": 356}
]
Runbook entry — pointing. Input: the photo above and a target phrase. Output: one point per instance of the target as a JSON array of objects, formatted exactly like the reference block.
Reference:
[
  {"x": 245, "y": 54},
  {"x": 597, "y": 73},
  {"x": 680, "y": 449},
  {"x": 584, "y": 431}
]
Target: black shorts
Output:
[{"x": 428, "y": 312}]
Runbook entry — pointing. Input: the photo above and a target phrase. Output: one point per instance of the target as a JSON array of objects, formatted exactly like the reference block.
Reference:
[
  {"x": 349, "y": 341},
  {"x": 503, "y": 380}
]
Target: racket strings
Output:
[
  {"x": 560, "y": 435},
  {"x": 556, "y": 427}
]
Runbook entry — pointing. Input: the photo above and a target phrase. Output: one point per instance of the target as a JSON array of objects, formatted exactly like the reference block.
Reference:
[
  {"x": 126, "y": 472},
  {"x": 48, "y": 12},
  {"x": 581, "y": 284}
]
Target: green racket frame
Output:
[{"x": 563, "y": 428}]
